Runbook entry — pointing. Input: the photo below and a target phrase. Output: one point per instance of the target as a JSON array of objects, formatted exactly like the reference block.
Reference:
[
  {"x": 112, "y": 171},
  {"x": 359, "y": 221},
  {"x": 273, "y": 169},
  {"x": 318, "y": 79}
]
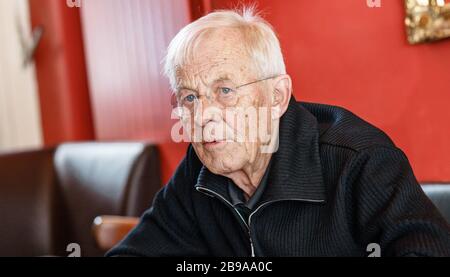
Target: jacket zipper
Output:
[
  {"x": 208, "y": 191},
  {"x": 247, "y": 225}
]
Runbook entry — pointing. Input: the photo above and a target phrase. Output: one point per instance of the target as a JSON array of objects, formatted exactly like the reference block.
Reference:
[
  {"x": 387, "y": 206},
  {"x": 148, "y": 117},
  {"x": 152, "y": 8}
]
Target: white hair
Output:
[{"x": 260, "y": 42}]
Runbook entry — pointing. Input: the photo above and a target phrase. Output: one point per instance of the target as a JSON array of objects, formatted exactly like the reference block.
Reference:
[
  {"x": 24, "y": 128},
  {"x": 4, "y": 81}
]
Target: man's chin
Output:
[{"x": 220, "y": 167}]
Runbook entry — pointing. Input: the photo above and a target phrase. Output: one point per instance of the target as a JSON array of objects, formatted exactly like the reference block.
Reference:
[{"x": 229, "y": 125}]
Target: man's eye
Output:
[
  {"x": 190, "y": 98},
  {"x": 225, "y": 90}
]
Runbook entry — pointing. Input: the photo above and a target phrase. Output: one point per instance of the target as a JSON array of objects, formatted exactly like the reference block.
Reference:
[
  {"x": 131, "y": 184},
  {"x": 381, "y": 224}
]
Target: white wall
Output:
[{"x": 20, "y": 125}]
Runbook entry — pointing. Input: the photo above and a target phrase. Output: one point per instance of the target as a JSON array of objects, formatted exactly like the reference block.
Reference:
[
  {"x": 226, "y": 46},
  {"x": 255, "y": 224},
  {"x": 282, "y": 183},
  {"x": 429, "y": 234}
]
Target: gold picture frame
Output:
[{"x": 427, "y": 20}]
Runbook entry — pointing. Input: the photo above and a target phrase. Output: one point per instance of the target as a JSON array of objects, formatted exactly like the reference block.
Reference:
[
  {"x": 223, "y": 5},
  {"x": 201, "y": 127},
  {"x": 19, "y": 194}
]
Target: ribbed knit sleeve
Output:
[{"x": 385, "y": 204}]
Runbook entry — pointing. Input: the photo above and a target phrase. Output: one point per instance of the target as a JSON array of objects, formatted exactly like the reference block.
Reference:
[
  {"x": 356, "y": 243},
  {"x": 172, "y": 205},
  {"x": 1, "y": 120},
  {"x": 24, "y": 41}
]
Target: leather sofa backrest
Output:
[
  {"x": 28, "y": 204},
  {"x": 440, "y": 196},
  {"x": 104, "y": 179}
]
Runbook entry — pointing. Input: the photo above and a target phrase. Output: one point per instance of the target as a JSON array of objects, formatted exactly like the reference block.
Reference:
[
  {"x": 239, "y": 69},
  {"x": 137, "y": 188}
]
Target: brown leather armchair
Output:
[
  {"x": 49, "y": 198},
  {"x": 110, "y": 230}
]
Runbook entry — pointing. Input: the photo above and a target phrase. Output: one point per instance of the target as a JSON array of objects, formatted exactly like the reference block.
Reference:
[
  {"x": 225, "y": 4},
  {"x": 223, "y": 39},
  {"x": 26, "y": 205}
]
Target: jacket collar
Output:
[{"x": 295, "y": 173}]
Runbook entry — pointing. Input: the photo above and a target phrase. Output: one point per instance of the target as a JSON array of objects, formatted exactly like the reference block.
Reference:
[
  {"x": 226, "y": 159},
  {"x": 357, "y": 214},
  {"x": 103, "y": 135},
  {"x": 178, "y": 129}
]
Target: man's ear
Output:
[{"x": 282, "y": 91}]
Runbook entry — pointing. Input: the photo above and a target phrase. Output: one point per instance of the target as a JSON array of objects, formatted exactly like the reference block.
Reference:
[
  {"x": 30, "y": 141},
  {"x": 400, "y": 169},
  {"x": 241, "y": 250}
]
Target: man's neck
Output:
[{"x": 249, "y": 177}]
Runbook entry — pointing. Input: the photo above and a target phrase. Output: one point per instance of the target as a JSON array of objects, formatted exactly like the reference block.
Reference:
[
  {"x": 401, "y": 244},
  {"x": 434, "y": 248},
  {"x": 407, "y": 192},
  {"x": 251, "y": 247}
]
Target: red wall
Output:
[
  {"x": 344, "y": 53},
  {"x": 61, "y": 73},
  {"x": 337, "y": 52},
  {"x": 125, "y": 42}
]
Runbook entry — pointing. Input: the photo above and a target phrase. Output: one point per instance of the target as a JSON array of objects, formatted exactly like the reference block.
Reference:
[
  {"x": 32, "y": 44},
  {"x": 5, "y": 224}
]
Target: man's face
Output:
[{"x": 222, "y": 135}]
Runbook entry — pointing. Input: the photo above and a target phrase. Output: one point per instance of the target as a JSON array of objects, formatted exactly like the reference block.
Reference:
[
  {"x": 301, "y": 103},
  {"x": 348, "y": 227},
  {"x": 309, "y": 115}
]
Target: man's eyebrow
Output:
[
  {"x": 222, "y": 79},
  {"x": 184, "y": 87}
]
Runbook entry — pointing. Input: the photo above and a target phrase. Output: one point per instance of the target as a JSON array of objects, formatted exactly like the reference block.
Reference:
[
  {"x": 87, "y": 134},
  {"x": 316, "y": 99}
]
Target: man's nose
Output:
[{"x": 207, "y": 111}]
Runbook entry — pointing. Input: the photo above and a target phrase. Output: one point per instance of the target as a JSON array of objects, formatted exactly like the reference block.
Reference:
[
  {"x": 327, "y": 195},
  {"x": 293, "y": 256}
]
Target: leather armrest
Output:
[{"x": 110, "y": 230}]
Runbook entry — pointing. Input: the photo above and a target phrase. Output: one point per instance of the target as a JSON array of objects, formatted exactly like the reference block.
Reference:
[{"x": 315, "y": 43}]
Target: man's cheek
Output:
[{"x": 198, "y": 147}]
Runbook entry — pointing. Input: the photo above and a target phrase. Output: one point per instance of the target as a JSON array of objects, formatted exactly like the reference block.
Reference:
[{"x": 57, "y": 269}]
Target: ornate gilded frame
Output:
[{"x": 427, "y": 20}]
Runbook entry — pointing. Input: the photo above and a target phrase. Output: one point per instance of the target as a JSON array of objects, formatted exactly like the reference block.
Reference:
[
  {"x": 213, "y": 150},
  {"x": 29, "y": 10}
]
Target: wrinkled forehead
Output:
[{"x": 216, "y": 55}]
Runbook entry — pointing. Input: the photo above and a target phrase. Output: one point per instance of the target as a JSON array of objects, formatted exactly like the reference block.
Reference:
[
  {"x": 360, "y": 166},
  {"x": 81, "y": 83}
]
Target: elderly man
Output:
[{"x": 315, "y": 180}]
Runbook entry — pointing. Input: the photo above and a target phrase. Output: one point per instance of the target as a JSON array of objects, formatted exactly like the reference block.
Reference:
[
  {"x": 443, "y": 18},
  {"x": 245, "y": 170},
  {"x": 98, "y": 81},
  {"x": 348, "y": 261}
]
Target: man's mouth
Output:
[{"x": 213, "y": 144}]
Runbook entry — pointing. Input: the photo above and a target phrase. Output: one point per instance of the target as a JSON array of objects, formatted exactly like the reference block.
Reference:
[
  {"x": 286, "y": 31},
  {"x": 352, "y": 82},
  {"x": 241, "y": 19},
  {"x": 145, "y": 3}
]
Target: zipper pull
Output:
[{"x": 251, "y": 245}]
